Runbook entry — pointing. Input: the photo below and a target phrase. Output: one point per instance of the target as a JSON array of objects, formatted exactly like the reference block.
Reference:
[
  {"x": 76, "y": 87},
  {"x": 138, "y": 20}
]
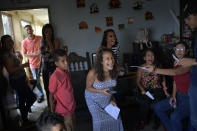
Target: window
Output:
[{"x": 7, "y": 24}]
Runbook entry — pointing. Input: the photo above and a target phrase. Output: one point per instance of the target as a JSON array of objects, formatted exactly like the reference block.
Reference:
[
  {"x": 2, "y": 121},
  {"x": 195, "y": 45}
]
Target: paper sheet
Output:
[
  {"x": 175, "y": 58},
  {"x": 149, "y": 95},
  {"x": 112, "y": 111}
]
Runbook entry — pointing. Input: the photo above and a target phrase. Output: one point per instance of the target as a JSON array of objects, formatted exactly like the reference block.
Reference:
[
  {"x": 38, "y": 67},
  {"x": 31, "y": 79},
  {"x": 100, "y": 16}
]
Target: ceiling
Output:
[{"x": 41, "y": 14}]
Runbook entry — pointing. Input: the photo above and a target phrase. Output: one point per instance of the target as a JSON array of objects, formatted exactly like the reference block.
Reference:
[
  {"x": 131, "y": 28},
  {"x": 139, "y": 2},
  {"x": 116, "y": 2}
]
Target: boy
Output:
[
  {"x": 61, "y": 92},
  {"x": 191, "y": 20},
  {"x": 50, "y": 122}
]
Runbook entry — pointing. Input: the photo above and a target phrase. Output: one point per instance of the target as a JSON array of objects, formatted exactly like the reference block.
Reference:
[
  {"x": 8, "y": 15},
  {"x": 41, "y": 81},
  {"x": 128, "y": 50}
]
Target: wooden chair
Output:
[
  {"x": 79, "y": 67},
  {"x": 78, "y": 63}
]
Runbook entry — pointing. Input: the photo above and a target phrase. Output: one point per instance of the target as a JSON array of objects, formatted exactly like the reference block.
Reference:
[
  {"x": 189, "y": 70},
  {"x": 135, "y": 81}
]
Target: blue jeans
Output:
[
  {"x": 173, "y": 123},
  {"x": 193, "y": 105},
  {"x": 34, "y": 73}
]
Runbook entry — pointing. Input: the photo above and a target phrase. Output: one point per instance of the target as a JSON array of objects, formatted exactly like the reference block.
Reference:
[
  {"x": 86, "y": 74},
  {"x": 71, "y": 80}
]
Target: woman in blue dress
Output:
[{"x": 99, "y": 80}]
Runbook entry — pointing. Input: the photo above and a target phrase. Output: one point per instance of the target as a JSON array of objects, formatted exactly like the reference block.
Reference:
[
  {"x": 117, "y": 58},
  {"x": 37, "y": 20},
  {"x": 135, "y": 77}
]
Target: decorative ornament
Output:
[
  {"x": 80, "y": 3},
  {"x": 137, "y": 5},
  {"x": 98, "y": 29},
  {"x": 114, "y": 4},
  {"x": 149, "y": 16},
  {"x": 130, "y": 20},
  {"x": 94, "y": 8},
  {"x": 83, "y": 25},
  {"x": 121, "y": 26},
  {"x": 109, "y": 21}
]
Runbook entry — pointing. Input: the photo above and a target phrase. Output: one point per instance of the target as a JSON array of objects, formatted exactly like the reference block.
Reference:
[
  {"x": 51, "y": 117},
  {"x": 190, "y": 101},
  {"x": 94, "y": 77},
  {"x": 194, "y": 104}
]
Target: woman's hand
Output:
[
  {"x": 104, "y": 91},
  {"x": 143, "y": 92},
  {"x": 26, "y": 64},
  {"x": 172, "y": 99},
  {"x": 167, "y": 94},
  {"x": 113, "y": 103}
]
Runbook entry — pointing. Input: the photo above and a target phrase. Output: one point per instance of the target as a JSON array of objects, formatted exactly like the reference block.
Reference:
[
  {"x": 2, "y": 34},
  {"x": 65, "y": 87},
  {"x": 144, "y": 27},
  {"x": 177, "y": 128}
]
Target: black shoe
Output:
[{"x": 40, "y": 100}]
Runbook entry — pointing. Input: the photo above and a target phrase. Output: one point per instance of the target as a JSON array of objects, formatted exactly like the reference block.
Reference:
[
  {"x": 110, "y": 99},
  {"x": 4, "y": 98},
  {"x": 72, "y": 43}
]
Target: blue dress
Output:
[{"x": 97, "y": 102}]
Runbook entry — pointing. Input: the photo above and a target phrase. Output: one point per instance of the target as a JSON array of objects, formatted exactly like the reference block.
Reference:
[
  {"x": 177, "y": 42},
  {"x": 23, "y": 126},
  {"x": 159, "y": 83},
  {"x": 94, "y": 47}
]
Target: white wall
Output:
[{"x": 65, "y": 18}]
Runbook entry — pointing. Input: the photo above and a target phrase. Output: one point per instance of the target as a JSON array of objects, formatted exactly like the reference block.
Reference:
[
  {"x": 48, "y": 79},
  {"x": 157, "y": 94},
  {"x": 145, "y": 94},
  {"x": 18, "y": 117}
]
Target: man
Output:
[
  {"x": 191, "y": 21},
  {"x": 31, "y": 49}
]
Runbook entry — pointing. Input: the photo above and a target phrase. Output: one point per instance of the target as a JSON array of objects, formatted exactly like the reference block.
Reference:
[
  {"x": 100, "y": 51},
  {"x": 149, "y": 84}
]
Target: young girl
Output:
[
  {"x": 149, "y": 82},
  {"x": 110, "y": 41},
  {"x": 99, "y": 80}
]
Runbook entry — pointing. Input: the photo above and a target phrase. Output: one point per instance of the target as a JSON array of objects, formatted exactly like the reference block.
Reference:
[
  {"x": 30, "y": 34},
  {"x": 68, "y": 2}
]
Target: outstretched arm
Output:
[{"x": 171, "y": 72}]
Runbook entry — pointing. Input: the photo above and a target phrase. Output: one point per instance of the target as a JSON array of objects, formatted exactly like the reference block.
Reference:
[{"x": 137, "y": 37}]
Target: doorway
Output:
[{"x": 13, "y": 22}]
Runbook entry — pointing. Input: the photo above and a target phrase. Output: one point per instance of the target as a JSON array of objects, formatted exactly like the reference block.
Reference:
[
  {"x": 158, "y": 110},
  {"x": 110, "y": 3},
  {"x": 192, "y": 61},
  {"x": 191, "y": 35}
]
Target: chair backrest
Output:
[
  {"x": 79, "y": 63},
  {"x": 79, "y": 67}
]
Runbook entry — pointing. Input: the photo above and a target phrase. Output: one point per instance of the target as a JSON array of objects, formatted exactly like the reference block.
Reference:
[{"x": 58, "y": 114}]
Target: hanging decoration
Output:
[
  {"x": 80, "y": 3},
  {"x": 121, "y": 26},
  {"x": 97, "y": 29},
  {"x": 94, "y": 8},
  {"x": 149, "y": 16},
  {"x": 137, "y": 5},
  {"x": 109, "y": 21},
  {"x": 83, "y": 25},
  {"x": 130, "y": 20},
  {"x": 114, "y": 4}
]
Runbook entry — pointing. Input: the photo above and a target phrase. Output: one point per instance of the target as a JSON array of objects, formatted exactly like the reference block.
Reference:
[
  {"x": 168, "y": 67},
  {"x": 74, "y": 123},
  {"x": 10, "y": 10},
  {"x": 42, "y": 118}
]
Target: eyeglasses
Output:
[{"x": 179, "y": 49}]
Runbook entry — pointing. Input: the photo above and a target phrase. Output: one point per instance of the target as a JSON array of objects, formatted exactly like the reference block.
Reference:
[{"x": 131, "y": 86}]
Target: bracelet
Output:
[{"x": 165, "y": 88}]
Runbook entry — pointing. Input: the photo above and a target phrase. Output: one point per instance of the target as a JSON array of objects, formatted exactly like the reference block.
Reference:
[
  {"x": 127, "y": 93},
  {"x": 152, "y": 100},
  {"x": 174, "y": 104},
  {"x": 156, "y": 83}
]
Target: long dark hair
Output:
[
  {"x": 155, "y": 62},
  {"x": 104, "y": 41},
  {"x": 46, "y": 26},
  {"x": 3, "y": 41},
  {"x": 99, "y": 66}
]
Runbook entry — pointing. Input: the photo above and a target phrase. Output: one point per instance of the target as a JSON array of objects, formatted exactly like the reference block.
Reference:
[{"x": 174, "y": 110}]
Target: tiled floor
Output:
[{"x": 128, "y": 114}]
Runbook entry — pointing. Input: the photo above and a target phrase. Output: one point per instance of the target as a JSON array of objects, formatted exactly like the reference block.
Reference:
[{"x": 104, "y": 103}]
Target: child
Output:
[
  {"x": 149, "y": 82},
  {"x": 61, "y": 92},
  {"x": 50, "y": 122}
]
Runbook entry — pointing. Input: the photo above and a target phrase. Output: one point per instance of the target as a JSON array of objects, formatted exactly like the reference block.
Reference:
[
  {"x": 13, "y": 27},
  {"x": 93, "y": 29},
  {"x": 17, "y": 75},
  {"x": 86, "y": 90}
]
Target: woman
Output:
[
  {"x": 149, "y": 82},
  {"x": 48, "y": 45},
  {"x": 179, "y": 101},
  {"x": 99, "y": 80},
  {"x": 17, "y": 76},
  {"x": 110, "y": 41}
]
